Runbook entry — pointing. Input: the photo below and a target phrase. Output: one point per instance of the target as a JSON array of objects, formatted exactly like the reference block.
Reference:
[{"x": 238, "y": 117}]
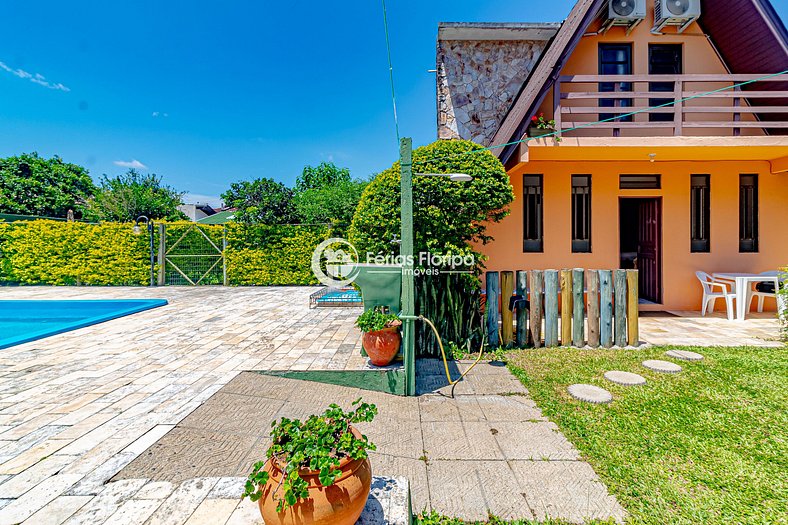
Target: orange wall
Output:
[
  {"x": 698, "y": 57},
  {"x": 681, "y": 290}
]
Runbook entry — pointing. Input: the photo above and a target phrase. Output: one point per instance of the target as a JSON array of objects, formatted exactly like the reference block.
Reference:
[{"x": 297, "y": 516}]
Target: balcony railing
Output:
[{"x": 697, "y": 104}]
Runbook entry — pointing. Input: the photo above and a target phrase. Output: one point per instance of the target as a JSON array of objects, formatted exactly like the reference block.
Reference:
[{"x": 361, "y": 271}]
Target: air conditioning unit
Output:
[
  {"x": 626, "y": 10},
  {"x": 627, "y": 13},
  {"x": 680, "y": 13}
]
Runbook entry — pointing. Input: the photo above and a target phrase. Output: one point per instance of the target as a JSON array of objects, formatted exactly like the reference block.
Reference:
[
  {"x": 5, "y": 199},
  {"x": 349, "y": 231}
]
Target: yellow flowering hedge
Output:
[
  {"x": 71, "y": 253},
  {"x": 272, "y": 255},
  {"x": 68, "y": 253}
]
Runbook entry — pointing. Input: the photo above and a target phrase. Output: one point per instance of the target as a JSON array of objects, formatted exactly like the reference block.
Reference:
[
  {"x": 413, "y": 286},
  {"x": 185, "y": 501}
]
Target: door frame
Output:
[{"x": 660, "y": 272}]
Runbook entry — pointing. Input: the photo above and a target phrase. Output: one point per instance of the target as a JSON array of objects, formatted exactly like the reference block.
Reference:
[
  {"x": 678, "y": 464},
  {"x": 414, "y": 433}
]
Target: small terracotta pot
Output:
[
  {"x": 382, "y": 345},
  {"x": 339, "y": 504}
]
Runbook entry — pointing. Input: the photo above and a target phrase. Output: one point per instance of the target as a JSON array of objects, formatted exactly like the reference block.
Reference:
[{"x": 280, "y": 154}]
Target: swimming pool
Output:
[{"x": 23, "y": 321}]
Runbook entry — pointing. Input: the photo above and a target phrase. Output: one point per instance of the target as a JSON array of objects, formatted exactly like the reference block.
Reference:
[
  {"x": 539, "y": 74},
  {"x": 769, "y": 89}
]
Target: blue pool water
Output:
[{"x": 23, "y": 321}]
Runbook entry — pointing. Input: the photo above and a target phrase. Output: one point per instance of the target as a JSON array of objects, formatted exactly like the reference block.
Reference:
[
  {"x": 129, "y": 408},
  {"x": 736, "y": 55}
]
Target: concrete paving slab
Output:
[
  {"x": 665, "y": 367},
  {"x": 472, "y": 440},
  {"x": 394, "y": 436},
  {"x": 684, "y": 355},
  {"x": 533, "y": 441},
  {"x": 509, "y": 408},
  {"x": 440, "y": 408},
  {"x": 568, "y": 490},
  {"x": 590, "y": 393},
  {"x": 623, "y": 378},
  {"x": 476, "y": 489}
]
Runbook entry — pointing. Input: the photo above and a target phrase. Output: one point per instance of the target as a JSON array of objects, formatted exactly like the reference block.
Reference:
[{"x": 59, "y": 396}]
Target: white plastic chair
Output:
[
  {"x": 752, "y": 294},
  {"x": 710, "y": 295}
]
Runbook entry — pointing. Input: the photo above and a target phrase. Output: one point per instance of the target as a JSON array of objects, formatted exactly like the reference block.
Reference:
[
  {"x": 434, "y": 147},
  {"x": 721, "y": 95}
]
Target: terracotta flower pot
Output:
[
  {"x": 339, "y": 504},
  {"x": 381, "y": 346}
]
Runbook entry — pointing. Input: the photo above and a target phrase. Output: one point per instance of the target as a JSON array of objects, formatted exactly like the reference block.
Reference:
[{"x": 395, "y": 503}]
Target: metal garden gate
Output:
[{"x": 191, "y": 254}]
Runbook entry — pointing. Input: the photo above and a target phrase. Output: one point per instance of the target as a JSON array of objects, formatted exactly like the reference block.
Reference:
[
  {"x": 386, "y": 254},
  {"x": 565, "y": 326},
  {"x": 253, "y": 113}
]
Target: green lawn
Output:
[{"x": 707, "y": 445}]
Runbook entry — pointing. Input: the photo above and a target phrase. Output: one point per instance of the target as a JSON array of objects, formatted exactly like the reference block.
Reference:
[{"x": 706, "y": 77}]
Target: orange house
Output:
[{"x": 670, "y": 144}]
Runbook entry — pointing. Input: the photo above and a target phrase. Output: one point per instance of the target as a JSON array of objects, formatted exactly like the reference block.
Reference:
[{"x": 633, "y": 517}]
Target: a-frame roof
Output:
[{"x": 748, "y": 33}]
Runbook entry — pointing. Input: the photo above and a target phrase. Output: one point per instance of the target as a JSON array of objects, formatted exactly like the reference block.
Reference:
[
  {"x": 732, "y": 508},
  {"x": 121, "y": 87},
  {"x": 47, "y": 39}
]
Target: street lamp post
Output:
[
  {"x": 408, "y": 304},
  {"x": 137, "y": 231}
]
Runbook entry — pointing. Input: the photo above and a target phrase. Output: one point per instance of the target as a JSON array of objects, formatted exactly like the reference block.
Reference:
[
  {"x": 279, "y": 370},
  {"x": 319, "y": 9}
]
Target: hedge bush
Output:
[
  {"x": 68, "y": 253},
  {"x": 272, "y": 255},
  {"x": 72, "y": 253}
]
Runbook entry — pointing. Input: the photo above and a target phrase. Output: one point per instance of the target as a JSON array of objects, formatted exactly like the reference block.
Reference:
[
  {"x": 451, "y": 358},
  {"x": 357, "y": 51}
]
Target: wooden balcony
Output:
[{"x": 697, "y": 105}]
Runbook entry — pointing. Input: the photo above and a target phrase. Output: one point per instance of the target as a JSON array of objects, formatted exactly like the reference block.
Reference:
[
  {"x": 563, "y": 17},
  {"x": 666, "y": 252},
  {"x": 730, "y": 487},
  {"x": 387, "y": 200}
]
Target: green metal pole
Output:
[{"x": 406, "y": 251}]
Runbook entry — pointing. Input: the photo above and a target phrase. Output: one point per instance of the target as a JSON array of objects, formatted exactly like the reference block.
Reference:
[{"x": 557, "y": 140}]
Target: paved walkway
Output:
[
  {"x": 691, "y": 329},
  {"x": 480, "y": 453},
  {"x": 77, "y": 408}
]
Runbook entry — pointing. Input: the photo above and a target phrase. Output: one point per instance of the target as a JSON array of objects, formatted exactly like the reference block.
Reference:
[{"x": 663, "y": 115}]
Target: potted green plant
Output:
[
  {"x": 317, "y": 471},
  {"x": 540, "y": 127},
  {"x": 381, "y": 339}
]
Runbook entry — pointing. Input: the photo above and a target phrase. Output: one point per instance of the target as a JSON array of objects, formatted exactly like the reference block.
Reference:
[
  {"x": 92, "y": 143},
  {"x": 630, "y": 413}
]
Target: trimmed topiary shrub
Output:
[{"x": 448, "y": 216}]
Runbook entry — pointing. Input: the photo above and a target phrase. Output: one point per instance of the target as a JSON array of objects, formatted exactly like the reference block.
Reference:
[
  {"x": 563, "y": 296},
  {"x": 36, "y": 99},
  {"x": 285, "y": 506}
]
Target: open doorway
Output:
[{"x": 640, "y": 244}]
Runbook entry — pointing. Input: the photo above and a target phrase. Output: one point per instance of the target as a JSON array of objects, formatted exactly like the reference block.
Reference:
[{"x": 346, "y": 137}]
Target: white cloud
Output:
[
  {"x": 134, "y": 163},
  {"x": 157, "y": 114},
  {"x": 36, "y": 78}
]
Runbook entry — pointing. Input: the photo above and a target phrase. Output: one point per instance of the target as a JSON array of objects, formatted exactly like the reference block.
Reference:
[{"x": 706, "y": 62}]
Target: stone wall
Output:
[{"x": 477, "y": 81}]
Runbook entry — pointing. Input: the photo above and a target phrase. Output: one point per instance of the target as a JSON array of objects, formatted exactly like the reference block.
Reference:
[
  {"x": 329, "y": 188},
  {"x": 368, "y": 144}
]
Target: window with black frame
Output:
[
  {"x": 748, "y": 213},
  {"x": 615, "y": 59},
  {"x": 663, "y": 59},
  {"x": 533, "y": 213},
  {"x": 581, "y": 213},
  {"x": 700, "y": 213}
]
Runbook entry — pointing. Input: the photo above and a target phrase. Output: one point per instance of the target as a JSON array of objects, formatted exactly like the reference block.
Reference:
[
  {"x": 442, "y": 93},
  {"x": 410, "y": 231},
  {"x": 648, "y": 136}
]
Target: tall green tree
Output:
[
  {"x": 32, "y": 185},
  {"x": 261, "y": 201},
  {"x": 323, "y": 175},
  {"x": 125, "y": 197},
  {"x": 326, "y": 193},
  {"x": 335, "y": 203},
  {"x": 449, "y": 217}
]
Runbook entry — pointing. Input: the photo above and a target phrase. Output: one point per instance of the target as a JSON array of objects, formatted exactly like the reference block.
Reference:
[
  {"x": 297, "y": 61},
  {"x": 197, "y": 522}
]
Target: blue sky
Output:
[{"x": 205, "y": 93}]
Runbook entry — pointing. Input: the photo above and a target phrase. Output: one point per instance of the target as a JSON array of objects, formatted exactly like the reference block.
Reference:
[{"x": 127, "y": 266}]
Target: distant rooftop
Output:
[{"x": 496, "y": 31}]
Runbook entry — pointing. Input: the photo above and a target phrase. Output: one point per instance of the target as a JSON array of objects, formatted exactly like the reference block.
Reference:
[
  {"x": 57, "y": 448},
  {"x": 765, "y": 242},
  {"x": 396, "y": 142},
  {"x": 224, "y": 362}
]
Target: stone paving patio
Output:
[
  {"x": 77, "y": 408},
  {"x": 489, "y": 450}
]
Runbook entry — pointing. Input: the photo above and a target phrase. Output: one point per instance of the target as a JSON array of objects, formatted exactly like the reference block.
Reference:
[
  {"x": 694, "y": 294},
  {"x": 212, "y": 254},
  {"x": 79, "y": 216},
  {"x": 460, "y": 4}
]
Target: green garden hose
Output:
[{"x": 443, "y": 354}]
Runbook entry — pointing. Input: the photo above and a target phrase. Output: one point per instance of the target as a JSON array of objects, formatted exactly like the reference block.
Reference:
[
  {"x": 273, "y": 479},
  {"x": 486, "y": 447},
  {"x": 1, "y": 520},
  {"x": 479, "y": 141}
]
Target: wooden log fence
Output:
[
  {"x": 551, "y": 307},
  {"x": 492, "y": 308},
  {"x": 592, "y": 300},
  {"x": 566, "y": 307},
  {"x": 507, "y": 315},
  {"x": 598, "y": 308},
  {"x": 522, "y": 312},
  {"x": 536, "y": 291}
]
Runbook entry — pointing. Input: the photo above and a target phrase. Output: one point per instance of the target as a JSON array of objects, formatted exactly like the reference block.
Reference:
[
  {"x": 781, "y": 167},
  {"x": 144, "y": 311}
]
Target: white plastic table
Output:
[{"x": 744, "y": 288}]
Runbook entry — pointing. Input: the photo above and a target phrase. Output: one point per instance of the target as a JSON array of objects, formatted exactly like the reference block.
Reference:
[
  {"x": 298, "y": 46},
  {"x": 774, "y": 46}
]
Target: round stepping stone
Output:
[
  {"x": 684, "y": 355},
  {"x": 625, "y": 378},
  {"x": 590, "y": 394},
  {"x": 666, "y": 367}
]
